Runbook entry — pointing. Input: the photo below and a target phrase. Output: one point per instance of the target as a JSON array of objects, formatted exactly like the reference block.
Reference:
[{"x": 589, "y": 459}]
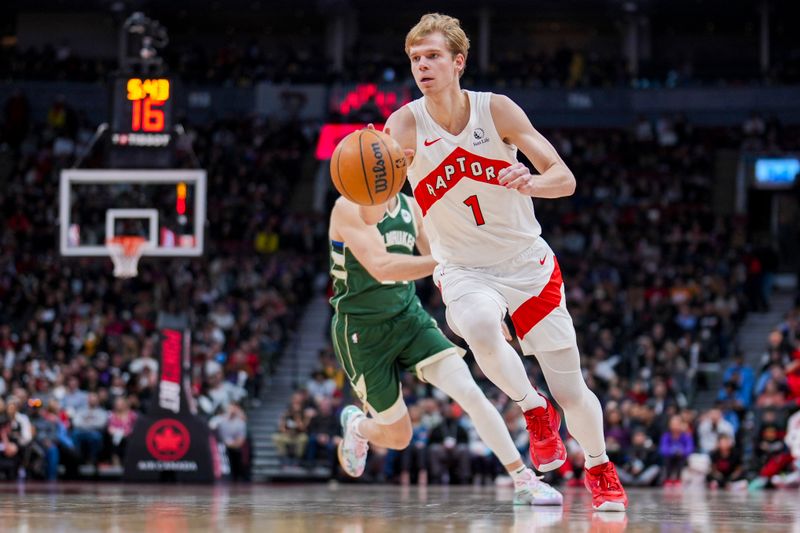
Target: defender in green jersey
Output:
[{"x": 379, "y": 328}]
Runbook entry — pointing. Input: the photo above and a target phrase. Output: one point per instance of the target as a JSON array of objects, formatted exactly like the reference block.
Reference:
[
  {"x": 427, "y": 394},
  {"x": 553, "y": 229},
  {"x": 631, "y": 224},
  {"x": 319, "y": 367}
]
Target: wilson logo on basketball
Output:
[
  {"x": 168, "y": 440},
  {"x": 367, "y": 167},
  {"x": 459, "y": 165},
  {"x": 379, "y": 169}
]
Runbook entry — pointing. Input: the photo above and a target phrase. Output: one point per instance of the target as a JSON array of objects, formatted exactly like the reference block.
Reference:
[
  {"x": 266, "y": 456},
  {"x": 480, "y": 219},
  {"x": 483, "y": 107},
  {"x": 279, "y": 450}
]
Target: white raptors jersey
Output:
[{"x": 470, "y": 219}]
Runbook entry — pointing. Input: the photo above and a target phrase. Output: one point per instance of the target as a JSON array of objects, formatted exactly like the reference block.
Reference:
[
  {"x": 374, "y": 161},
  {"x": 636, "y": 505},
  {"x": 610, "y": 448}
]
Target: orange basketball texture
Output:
[{"x": 368, "y": 167}]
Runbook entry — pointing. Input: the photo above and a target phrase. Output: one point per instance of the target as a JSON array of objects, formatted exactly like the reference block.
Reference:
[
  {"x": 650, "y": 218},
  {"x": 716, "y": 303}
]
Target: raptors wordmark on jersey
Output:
[{"x": 460, "y": 164}]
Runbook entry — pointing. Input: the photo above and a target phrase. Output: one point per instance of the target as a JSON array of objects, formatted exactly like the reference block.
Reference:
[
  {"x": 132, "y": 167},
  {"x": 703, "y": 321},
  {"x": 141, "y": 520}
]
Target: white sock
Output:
[
  {"x": 531, "y": 401},
  {"x": 356, "y": 429},
  {"x": 519, "y": 473},
  {"x": 591, "y": 462}
]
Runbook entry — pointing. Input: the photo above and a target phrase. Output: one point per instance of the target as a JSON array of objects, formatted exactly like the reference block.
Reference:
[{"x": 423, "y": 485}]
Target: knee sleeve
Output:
[{"x": 476, "y": 319}]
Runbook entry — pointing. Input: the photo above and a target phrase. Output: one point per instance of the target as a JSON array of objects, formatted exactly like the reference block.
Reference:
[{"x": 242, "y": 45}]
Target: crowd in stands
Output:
[
  {"x": 77, "y": 345},
  {"x": 658, "y": 286},
  {"x": 243, "y": 63}
]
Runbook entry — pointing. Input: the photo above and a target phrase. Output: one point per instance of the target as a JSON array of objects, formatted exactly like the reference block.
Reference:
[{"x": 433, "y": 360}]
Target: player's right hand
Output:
[{"x": 408, "y": 152}]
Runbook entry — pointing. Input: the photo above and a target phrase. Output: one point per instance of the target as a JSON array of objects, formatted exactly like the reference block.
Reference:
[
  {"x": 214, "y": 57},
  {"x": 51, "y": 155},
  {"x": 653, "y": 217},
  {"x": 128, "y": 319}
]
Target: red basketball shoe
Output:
[
  {"x": 547, "y": 448},
  {"x": 607, "y": 492}
]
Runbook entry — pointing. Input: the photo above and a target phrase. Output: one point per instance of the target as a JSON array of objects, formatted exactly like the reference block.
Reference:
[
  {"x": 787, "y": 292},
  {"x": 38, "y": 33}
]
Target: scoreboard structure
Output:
[
  {"x": 142, "y": 131},
  {"x": 142, "y": 112}
]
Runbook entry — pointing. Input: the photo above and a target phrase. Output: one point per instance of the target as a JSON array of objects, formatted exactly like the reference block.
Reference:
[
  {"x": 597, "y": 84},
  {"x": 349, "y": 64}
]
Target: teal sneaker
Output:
[
  {"x": 530, "y": 490},
  {"x": 352, "y": 449}
]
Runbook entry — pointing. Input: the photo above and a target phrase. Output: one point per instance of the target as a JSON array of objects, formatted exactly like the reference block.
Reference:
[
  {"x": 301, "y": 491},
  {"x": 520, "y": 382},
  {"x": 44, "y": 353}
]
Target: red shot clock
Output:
[{"x": 142, "y": 112}]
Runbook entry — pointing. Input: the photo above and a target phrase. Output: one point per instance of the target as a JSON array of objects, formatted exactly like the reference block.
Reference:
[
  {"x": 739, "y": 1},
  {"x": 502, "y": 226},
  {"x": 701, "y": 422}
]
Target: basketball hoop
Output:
[{"x": 125, "y": 251}]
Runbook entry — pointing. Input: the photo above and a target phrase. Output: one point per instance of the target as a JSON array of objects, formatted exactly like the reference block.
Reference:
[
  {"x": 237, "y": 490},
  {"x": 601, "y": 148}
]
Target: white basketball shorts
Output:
[{"x": 529, "y": 287}]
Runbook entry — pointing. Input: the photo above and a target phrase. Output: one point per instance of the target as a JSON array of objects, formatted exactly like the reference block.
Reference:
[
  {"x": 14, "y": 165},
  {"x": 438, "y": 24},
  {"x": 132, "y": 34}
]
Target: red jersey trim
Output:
[{"x": 533, "y": 310}]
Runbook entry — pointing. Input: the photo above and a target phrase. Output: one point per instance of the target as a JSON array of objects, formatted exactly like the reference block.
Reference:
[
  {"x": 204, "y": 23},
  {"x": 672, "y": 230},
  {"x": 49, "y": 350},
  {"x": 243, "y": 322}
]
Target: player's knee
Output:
[
  {"x": 477, "y": 321},
  {"x": 483, "y": 335}
]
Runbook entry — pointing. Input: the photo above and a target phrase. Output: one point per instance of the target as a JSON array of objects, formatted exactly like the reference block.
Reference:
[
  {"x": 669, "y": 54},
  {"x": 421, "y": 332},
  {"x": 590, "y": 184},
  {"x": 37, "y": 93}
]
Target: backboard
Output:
[{"x": 166, "y": 207}]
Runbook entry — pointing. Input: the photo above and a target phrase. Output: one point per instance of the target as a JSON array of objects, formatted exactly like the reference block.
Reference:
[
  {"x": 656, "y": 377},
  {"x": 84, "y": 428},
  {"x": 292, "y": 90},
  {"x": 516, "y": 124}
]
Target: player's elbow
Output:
[
  {"x": 378, "y": 274},
  {"x": 383, "y": 277},
  {"x": 569, "y": 183},
  {"x": 570, "y": 186},
  {"x": 379, "y": 270}
]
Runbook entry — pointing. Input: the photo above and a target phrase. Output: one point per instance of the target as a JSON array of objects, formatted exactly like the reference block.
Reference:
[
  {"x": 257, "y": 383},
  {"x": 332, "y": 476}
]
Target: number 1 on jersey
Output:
[{"x": 472, "y": 203}]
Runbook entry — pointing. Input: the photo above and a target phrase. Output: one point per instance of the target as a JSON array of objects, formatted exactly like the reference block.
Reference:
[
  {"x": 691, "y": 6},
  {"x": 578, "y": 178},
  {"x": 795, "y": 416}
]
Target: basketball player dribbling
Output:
[
  {"x": 380, "y": 328},
  {"x": 475, "y": 200}
]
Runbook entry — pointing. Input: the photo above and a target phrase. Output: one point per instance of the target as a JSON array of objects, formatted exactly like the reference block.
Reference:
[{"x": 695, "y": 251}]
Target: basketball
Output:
[{"x": 368, "y": 167}]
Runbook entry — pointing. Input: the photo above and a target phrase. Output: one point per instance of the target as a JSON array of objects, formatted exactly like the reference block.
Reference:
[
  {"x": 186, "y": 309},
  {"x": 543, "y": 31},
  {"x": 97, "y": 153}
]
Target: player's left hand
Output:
[{"x": 517, "y": 176}]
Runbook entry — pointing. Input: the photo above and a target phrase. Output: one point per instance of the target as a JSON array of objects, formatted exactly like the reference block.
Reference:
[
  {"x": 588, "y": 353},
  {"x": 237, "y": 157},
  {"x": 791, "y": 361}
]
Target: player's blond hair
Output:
[{"x": 450, "y": 27}]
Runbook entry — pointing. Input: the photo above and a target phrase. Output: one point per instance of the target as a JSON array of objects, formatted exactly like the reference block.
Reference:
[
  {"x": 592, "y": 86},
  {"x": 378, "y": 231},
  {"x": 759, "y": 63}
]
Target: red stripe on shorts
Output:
[{"x": 532, "y": 311}]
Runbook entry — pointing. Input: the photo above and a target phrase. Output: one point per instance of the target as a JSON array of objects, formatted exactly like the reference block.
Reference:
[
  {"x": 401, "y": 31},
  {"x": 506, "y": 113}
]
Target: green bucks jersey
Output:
[{"x": 355, "y": 292}]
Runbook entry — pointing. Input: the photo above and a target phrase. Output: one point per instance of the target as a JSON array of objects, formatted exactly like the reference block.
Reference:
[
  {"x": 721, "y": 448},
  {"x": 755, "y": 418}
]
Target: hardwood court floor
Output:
[{"x": 354, "y": 508}]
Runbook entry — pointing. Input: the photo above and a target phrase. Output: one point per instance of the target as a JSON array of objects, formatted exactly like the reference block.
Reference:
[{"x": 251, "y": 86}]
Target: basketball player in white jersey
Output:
[
  {"x": 475, "y": 199},
  {"x": 379, "y": 328}
]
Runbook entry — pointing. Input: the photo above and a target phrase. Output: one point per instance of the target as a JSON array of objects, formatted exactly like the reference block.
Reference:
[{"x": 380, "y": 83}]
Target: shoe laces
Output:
[
  {"x": 607, "y": 478},
  {"x": 362, "y": 445},
  {"x": 530, "y": 479},
  {"x": 538, "y": 424}
]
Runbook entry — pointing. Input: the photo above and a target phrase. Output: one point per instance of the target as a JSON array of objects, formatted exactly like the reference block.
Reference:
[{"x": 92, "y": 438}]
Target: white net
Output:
[{"x": 125, "y": 252}]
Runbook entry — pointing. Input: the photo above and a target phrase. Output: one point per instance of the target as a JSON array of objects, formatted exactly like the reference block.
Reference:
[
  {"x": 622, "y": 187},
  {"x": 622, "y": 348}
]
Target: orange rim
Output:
[{"x": 130, "y": 243}]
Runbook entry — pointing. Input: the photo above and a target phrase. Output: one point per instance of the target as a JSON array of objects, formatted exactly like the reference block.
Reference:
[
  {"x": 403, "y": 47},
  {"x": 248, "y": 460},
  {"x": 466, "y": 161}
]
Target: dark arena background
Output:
[{"x": 164, "y": 263}]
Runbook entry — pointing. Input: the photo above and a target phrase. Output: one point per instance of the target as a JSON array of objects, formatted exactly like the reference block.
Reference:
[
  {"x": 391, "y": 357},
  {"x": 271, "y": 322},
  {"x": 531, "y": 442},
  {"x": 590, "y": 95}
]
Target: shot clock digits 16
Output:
[
  {"x": 147, "y": 99},
  {"x": 142, "y": 112}
]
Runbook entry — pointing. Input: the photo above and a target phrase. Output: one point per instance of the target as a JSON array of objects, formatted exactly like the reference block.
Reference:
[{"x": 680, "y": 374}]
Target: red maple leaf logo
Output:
[{"x": 168, "y": 440}]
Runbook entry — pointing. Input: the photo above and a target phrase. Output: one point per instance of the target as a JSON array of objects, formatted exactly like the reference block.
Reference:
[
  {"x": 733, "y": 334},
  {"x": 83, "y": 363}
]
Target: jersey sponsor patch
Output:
[
  {"x": 460, "y": 164},
  {"x": 479, "y": 137}
]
